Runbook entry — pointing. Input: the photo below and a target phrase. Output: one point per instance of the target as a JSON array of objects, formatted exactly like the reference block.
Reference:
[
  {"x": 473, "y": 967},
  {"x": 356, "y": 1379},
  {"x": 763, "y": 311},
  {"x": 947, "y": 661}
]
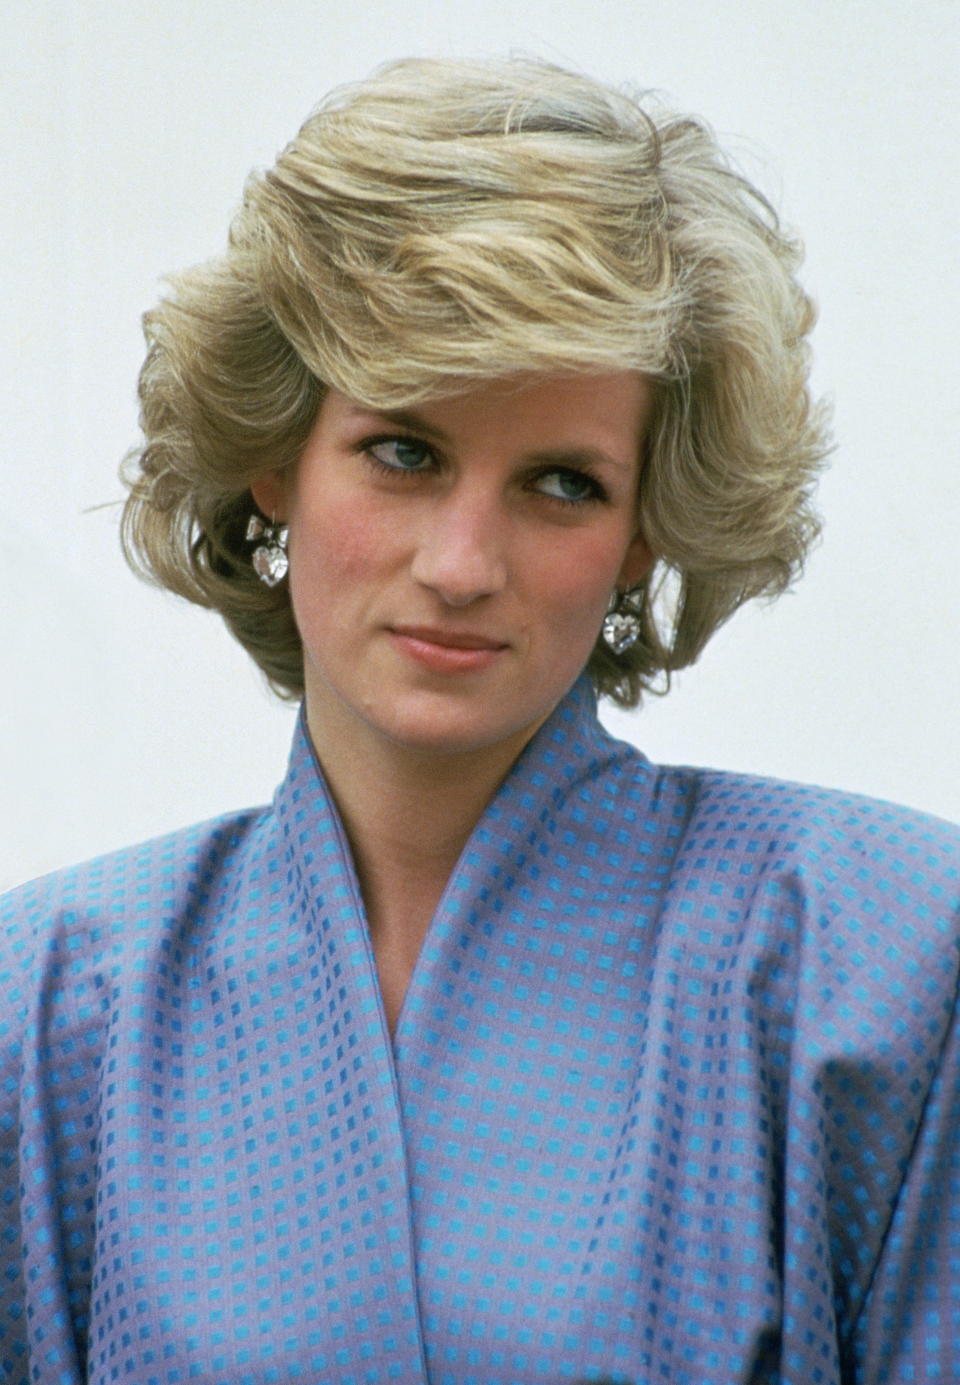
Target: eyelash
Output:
[
  {"x": 366, "y": 447},
  {"x": 596, "y": 493}
]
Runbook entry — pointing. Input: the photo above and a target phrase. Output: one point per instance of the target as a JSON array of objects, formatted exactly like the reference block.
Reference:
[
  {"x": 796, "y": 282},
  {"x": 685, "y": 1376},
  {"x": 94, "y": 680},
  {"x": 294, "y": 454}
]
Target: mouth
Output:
[
  {"x": 447, "y": 639},
  {"x": 446, "y": 651}
]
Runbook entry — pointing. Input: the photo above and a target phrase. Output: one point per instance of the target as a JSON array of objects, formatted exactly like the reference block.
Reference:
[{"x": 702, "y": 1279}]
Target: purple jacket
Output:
[{"x": 673, "y": 1097}]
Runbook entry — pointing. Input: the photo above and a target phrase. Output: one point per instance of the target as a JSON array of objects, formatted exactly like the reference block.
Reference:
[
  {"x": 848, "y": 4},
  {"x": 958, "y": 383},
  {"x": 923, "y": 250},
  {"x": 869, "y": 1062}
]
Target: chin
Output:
[
  {"x": 438, "y": 739},
  {"x": 444, "y": 730}
]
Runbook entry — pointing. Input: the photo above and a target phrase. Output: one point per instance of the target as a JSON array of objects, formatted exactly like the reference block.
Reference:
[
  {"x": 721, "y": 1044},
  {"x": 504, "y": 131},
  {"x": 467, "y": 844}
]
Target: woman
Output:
[{"x": 489, "y": 1051}]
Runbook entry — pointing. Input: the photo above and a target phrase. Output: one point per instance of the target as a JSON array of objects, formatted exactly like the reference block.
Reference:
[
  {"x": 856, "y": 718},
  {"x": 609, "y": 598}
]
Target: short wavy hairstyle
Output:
[{"x": 450, "y": 222}]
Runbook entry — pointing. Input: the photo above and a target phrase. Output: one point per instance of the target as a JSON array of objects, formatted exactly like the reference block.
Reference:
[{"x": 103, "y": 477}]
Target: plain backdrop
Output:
[{"x": 127, "y": 131}]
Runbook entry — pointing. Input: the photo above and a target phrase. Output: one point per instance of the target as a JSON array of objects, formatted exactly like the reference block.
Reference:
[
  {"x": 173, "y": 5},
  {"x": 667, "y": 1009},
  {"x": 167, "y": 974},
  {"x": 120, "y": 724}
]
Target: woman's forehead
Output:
[{"x": 609, "y": 405}]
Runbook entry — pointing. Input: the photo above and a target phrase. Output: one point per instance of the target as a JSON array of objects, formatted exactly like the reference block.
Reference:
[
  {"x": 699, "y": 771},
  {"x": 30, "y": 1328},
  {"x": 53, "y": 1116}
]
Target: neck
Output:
[{"x": 408, "y": 814}]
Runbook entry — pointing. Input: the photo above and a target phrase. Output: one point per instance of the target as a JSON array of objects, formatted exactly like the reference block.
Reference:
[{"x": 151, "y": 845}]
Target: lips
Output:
[
  {"x": 447, "y": 639},
  {"x": 442, "y": 652}
]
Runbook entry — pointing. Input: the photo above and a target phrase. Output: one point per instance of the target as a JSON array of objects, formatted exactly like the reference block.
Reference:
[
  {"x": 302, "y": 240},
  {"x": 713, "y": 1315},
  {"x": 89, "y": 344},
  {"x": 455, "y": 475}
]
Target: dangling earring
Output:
[
  {"x": 270, "y": 559},
  {"x": 621, "y": 626}
]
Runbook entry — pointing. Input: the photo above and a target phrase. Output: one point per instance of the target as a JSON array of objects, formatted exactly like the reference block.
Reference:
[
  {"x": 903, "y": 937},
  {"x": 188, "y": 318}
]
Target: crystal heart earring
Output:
[
  {"x": 621, "y": 626},
  {"x": 270, "y": 558}
]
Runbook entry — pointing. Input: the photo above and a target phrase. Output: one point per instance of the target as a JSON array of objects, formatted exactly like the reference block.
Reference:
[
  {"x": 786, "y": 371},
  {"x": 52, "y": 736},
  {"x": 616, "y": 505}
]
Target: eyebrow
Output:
[
  {"x": 405, "y": 418},
  {"x": 578, "y": 456},
  {"x": 552, "y": 456}
]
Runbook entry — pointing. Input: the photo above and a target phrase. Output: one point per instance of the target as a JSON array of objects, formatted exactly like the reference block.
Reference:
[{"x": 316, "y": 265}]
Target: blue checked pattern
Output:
[{"x": 673, "y": 1097}]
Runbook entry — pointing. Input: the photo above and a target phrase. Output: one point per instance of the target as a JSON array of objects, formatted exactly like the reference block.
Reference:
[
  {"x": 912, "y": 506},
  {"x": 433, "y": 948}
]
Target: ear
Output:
[
  {"x": 270, "y": 493},
  {"x": 637, "y": 562}
]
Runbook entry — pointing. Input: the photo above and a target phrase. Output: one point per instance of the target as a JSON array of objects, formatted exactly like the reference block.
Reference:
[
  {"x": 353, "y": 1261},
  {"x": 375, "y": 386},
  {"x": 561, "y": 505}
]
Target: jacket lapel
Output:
[{"x": 368, "y": 1237}]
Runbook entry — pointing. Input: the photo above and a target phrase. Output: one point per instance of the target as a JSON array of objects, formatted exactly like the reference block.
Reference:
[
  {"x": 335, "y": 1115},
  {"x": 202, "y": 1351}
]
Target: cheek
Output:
[
  {"x": 329, "y": 561},
  {"x": 579, "y": 586},
  {"x": 336, "y": 544}
]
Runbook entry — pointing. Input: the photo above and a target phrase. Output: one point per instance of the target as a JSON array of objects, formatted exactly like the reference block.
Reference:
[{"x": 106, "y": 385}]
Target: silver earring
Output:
[
  {"x": 621, "y": 626},
  {"x": 270, "y": 558}
]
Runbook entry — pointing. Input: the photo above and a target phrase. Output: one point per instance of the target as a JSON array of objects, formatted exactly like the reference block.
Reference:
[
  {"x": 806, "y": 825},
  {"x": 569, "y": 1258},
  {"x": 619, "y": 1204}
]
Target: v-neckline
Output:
[{"x": 539, "y": 770}]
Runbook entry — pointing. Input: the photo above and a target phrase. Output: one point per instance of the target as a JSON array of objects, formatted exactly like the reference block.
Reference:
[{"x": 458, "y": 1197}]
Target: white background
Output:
[{"x": 127, "y": 127}]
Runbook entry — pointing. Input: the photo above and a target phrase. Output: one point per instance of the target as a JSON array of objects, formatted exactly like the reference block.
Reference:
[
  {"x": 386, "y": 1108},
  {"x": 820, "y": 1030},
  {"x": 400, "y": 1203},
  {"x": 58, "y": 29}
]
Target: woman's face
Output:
[{"x": 450, "y": 565}]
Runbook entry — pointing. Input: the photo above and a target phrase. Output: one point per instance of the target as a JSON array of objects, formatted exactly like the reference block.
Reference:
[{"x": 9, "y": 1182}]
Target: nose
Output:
[{"x": 461, "y": 551}]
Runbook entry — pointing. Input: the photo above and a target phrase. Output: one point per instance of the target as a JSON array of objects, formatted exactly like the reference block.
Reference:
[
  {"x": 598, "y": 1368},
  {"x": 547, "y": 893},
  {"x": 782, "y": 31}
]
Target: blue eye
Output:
[
  {"x": 400, "y": 454},
  {"x": 572, "y": 487}
]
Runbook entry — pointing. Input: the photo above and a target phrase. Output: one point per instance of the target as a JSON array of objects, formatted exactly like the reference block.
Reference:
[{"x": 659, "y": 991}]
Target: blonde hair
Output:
[{"x": 448, "y": 222}]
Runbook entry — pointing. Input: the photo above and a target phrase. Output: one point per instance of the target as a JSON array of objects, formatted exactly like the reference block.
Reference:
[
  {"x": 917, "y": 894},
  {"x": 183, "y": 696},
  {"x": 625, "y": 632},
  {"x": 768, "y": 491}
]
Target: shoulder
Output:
[
  {"x": 721, "y": 834},
  {"x": 825, "y": 886},
  {"x": 163, "y": 867},
  {"x": 747, "y": 814},
  {"x": 69, "y": 931},
  {"x": 818, "y": 829},
  {"x": 751, "y": 812},
  {"x": 822, "y": 842},
  {"x": 741, "y": 843}
]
